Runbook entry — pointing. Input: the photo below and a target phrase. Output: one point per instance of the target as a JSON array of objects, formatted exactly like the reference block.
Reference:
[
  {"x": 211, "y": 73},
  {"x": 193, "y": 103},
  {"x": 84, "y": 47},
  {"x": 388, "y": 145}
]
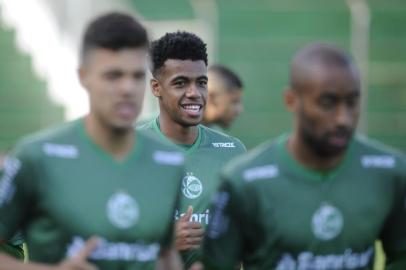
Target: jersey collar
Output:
[
  {"x": 188, "y": 148},
  {"x": 294, "y": 166}
]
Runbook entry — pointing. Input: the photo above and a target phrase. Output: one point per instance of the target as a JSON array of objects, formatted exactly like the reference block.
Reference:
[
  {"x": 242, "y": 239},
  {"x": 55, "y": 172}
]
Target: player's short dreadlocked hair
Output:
[
  {"x": 114, "y": 31},
  {"x": 179, "y": 46}
]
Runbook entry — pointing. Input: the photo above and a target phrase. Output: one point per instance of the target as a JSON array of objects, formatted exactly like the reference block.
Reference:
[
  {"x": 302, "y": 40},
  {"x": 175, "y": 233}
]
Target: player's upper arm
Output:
[
  {"x": 224, "y": 236},
  {"x": 394, "y": 233},
  {"x": 15, "y": 193}
]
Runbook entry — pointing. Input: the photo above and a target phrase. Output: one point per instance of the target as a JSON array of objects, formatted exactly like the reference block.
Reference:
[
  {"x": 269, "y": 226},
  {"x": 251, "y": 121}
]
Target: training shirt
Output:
[
  {"x": 205, "y": 157},
  {"x": 273, "y": 213},
  {"x": 61, "y": 188}
]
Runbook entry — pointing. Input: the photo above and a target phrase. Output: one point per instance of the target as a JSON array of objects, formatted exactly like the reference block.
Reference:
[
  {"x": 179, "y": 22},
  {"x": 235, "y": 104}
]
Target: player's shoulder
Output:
[
  {"x": 258, "y": 163},
  {"x": 45, "y": 139},
  {"x": 374, "y": 154},
  {"x": 217, "y": 139},
  {"x": 145, "y": 125},
  {"x": 162, "y": 151}
]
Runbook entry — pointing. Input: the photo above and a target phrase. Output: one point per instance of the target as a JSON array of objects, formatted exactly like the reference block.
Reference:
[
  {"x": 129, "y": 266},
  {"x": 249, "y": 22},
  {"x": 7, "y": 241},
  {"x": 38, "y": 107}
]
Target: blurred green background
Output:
[{"x": 256, "y": 38}]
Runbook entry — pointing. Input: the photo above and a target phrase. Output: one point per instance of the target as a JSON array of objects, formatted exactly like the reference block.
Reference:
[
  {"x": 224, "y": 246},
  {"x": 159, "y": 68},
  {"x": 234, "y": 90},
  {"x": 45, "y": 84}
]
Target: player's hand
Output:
[
  {"x": 196, "y": 266},
  {"x": 79, "y": 261},
  {"x": 188, "y": 234}
]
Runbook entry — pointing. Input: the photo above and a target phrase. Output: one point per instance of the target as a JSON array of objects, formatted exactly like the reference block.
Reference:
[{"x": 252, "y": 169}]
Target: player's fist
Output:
[
  {"x": 79, "y": 261},
  {"x": 188, "y": 234}
]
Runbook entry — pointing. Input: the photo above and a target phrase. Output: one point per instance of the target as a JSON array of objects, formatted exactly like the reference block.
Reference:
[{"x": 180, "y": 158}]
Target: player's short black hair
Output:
[
  {"x": 178, "y": 45},
  {"x": 113, "y": 31},
  {"x": 230, "y": 78}
]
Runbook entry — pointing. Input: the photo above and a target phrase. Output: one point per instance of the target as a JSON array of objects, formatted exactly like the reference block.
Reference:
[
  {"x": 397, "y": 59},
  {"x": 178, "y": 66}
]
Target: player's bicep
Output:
[
  {"x": 222, "y": 243},
  {"x": 14, "y": 199},
  {"x": 394, "y": 234}
]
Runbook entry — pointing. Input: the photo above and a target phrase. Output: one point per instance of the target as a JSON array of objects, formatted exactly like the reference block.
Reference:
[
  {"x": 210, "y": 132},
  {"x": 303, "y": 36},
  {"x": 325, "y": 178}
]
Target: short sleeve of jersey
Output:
[
  {"x": 394, "y": 232},
  {"x": 167, "y": 241},
  {"x": 15, "y": 193},
  {"x": 226, "y": 234}
]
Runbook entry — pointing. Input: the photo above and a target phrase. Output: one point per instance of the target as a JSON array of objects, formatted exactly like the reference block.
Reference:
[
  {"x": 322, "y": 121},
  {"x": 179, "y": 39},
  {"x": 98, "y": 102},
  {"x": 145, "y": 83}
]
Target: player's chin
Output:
[
  {"x": 192, "y": 121},
  {"x": 123, "y": 125}
]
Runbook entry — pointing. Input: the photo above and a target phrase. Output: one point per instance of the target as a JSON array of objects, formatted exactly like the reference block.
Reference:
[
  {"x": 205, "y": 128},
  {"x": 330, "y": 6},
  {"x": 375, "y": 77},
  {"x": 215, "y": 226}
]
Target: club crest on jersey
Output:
[
  {"x": 122, "y": 210},
  {"x": 191, "y": 186},
  {"x": 327, "y": 222}
]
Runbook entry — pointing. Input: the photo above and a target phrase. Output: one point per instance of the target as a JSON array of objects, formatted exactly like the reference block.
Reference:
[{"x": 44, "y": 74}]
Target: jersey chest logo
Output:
[
  {"x": 122, "y": 210},
  {"x": 327, "y": 222},
  {"x": 191, "y": 186}
]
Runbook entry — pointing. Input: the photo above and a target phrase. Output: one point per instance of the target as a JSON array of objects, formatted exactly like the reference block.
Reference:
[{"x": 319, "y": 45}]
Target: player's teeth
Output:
[{"x": 192, "y": 107}]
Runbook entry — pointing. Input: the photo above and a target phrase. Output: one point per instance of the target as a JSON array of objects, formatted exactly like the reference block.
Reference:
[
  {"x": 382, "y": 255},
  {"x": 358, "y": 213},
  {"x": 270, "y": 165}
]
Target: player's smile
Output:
[{"x": 192, "y": 109}]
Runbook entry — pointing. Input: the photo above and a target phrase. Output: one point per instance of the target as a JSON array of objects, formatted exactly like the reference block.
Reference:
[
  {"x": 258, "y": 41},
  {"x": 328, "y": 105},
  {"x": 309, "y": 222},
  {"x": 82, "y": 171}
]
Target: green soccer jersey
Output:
[
  {"x": 205, "y": 158},
  {"x": 61, "y": 188},
  {"x": 272, "y": 213},
  {"x": 14, "y": 246}
]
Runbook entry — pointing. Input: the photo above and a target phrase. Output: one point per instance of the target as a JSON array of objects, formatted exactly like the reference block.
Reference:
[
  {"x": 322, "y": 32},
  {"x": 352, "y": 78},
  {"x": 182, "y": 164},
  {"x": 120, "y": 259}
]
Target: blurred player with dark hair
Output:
[
  {"x": 318, "y": 198},
  {"x": 96, "y": 175},
  {"x": 224, "y": 103}
]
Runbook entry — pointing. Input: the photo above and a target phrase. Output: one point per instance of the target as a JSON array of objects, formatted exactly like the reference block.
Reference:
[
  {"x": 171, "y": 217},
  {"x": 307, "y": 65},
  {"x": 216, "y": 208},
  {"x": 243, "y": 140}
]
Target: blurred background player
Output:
[
  {"x": 224, "y": 103},
  {"x": 319, "y": 197},
  {"x": 96, "y": 175},
  {"x": 179, "y": 68}
]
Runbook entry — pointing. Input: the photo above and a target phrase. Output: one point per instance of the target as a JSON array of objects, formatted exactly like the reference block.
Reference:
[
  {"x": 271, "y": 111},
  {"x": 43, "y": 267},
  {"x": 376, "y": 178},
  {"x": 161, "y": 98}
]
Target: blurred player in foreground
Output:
[
  {"x": 319, "y": 197},
  {"x": 96, "y": 175}
]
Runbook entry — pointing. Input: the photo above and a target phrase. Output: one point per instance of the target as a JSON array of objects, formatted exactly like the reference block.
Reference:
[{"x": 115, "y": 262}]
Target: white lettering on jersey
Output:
[
  {"x": 196, "y": 217},
  {"x": 375, "y": 161},
  {"x": 7, "y": 187},
  {"x": 262, "y": 172},
  {"x": 169, "y": 158},
  {"x": 223, "y": 144},
  {"x": 60, "y": 150},
  {"x": 113, "y": 251},
  {"x": 308, "y": 261}
]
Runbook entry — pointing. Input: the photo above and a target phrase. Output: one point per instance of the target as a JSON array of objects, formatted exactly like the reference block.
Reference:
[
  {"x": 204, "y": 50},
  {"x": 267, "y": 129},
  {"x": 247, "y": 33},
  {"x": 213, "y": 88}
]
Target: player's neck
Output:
[
  {"x": 118, "y": 143},
  {"x": 306, "y": 156},
  {"x": 177, "y": 133}
]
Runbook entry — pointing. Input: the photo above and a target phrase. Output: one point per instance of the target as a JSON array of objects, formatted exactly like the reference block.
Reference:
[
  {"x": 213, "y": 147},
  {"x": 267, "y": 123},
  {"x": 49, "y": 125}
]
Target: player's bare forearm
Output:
[
  {"x": 9, "y": 263},
  {"x": 169, "y": 260}
]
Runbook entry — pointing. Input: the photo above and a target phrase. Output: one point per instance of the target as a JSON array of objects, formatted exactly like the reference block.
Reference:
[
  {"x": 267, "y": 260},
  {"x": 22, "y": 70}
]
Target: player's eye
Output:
[
  {"x": 112, "y": 75},
  {"x": 202, "y": 83},
  {"x": 140, "y": 75},
  {"x": 179, "y": 83},
  {"x": 352, "y": 101}
]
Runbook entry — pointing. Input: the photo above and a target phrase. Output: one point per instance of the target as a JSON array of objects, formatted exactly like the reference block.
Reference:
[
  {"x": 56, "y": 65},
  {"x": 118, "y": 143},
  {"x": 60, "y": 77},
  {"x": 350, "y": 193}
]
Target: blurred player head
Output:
[
  {"x": 113, "y": 65},
  {"x": 324, "y": 96},
  {"x": 225, "y": 97},
  {"x": 179, "y": 67}
]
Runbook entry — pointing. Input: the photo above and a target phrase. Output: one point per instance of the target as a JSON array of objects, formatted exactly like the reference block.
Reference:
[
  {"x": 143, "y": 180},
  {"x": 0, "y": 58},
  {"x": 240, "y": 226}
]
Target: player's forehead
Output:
[
  {"x": 174, "y": 68},
  {"x": 128, "y": 58},
  {"x": 332, "y": 80}
]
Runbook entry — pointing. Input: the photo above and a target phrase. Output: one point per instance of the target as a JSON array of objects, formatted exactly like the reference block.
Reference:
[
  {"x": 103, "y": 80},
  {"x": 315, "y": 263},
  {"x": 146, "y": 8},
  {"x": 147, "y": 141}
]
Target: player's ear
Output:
[
  {"x": 155, "y": 87},
  {"x": 291, "y": 100},
  {"x": 212, "y": 98},
  {"x": 83, "y": 76}
]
